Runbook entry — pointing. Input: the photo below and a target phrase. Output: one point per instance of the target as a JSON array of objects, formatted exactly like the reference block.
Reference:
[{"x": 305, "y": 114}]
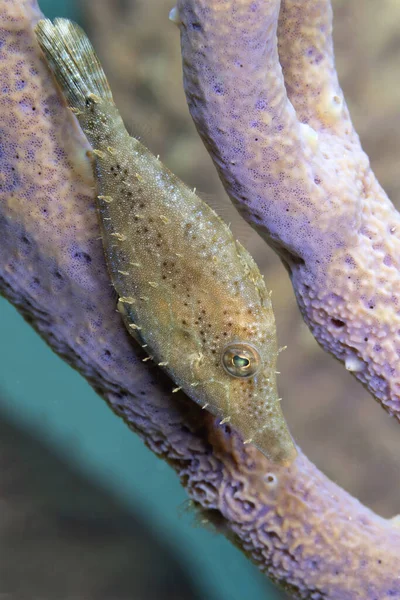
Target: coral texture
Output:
[
  {"x": 301, "y": 529},
  {"x": 280, "y": 134}
]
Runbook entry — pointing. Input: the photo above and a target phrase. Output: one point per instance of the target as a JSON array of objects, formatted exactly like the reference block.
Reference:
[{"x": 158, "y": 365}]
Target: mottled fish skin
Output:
[{"x": 189, "y": 293}]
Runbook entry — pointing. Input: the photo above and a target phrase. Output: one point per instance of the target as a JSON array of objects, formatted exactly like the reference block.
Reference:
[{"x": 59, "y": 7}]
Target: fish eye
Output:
[{"x": 241, "y": 360}]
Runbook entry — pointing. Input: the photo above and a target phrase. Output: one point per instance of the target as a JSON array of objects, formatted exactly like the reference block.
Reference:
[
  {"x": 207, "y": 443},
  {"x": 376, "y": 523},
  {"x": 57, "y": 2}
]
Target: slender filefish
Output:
[{"x": 189, "y": 294}]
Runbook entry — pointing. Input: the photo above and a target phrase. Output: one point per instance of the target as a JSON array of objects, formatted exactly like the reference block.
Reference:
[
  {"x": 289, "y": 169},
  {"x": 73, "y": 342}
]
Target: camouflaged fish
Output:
[{"x": 189, "y": 293}]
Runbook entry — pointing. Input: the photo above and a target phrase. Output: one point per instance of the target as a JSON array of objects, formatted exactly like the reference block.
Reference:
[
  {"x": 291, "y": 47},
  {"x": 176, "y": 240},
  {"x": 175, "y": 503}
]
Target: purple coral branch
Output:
[
  {"x": 300, "y": 529},
  {"x": 279, "y": 132}
]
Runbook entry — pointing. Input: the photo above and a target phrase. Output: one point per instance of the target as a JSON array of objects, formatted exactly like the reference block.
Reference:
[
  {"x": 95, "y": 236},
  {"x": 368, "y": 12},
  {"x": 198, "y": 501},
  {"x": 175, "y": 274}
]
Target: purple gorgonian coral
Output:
[
  {"x": 263, "y": 91},
  {"x": 302, "y": 530}
]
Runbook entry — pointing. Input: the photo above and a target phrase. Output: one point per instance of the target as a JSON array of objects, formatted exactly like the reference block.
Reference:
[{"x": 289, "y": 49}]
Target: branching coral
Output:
[
  {"x": 300, "y": 528},
  {"x": 287, "y": 153}
]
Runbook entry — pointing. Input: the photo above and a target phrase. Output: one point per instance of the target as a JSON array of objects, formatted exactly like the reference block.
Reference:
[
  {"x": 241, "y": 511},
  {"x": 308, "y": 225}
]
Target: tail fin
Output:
[{"x": 73, "y": 61}]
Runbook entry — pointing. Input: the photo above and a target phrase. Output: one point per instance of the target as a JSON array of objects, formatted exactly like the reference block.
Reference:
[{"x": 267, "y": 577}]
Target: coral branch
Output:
[
  {"x": 306, "y": 55},
  {"x": 302, "y": 530},
  {"x": 301, "y": 179}
]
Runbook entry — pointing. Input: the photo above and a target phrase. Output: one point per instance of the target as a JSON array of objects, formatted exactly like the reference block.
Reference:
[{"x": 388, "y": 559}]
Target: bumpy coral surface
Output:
[
  {"x": 300, "y": 528},
  {"x": 266, "y": 100}
]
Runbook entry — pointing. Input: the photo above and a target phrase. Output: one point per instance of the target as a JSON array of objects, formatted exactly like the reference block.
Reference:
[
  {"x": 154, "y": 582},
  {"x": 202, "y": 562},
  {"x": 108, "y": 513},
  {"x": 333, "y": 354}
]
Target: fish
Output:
[{"x": 188, "y": 292}]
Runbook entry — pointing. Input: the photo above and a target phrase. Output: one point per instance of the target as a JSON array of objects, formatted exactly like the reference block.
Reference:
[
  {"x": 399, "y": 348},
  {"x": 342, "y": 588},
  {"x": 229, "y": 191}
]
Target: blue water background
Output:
[{"x": 39, "y": 391}]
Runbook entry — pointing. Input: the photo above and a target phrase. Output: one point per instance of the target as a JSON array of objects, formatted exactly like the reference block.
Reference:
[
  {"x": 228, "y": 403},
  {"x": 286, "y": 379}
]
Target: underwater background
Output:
[{"x": 86, "y": 510}]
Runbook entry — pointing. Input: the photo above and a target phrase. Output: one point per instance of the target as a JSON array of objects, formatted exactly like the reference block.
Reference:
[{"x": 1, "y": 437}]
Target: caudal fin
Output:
[{"x": 73, "y": 61}]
